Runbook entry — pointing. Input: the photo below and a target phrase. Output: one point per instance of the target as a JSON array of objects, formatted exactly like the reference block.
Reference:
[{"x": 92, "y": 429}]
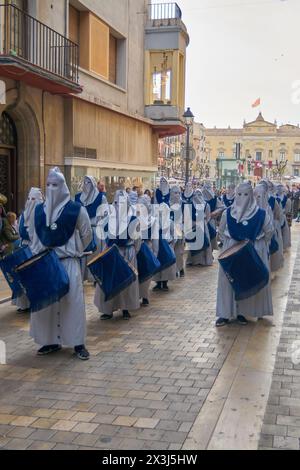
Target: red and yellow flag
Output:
[{"x": 256, "y": 103}]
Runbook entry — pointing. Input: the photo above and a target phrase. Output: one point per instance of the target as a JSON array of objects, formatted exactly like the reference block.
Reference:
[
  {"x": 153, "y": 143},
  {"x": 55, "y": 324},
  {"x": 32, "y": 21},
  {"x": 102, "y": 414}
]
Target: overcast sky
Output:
[{"x": 242, "y": 50}]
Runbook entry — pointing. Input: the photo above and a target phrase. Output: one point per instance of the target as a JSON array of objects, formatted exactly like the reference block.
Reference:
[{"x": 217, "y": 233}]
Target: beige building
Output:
[
  {"x": 89, "y": 86},
  {"x": 265, "y": 148}
]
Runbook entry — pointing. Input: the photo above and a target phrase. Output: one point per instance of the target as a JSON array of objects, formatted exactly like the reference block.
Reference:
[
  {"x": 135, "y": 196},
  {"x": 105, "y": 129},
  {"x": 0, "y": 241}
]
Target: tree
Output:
[{"x": 279, "y": 170}]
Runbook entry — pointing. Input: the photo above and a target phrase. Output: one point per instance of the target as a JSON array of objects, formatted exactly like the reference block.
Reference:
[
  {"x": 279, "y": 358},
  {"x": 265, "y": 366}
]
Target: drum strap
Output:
[
  {"x": 59, "y": 233},
  {"x": 92, "y": 208}
]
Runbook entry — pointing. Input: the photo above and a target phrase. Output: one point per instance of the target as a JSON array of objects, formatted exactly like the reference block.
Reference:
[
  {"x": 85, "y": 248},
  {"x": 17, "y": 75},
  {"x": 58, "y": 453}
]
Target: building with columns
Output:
[
  {"x": 265, "y": 150},
  {"x": 89, "y": 86}
]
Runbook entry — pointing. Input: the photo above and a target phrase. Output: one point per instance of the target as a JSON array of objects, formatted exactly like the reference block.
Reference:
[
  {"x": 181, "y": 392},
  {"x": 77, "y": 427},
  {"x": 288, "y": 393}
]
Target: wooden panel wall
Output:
[{"x": 117, "y": 138}]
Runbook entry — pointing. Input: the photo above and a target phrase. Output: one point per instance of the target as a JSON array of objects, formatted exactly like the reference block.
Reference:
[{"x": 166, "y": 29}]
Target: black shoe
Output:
[
  {"x": 21, "y": 311},
  {"x": 52, "y": 348},
  {"x": 106, "y": 317},
  {"x": 182, "y": 273},
  {"x": 165, "y": 287},
  {"x": 221, "y": 322},
  {"x": 82, "y": 353},
  {"x": 242, "y": 320},
  {"x": 157, "y": 287},
  {"x": 126, "y": 315},
  {"x": 145, "y": 303}
]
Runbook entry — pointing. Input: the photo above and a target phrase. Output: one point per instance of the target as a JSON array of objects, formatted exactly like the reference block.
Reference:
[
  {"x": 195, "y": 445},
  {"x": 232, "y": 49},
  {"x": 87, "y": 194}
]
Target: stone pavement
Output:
[
  {"x": 167, "y": 379},
  {"x": 281, "y": 429},
  {"x": 5, "y": 292}
]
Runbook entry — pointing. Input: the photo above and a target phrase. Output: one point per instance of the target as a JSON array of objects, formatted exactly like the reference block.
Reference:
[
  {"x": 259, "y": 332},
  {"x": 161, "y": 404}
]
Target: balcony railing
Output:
[
  {"x": 26, "y": 38},
  {"x": 161, "y": 14}
]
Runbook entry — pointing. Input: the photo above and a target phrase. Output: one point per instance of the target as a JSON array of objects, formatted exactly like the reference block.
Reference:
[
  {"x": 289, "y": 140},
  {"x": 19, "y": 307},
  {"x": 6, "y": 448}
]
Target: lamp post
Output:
[{"x": 189, "y": 121}]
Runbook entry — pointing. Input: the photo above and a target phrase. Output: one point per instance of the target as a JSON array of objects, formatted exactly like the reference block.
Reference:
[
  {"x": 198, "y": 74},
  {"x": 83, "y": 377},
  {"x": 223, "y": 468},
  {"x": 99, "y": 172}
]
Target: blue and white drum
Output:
[
  {"x": 8, "y": 266},
  {"x": 244, "y": 269},
  {"x": 148, "y": 264},
  {"x": 112, "y": 272},
  {"x": 44, "y": 279},
  {"x": 166, "y": 255}
]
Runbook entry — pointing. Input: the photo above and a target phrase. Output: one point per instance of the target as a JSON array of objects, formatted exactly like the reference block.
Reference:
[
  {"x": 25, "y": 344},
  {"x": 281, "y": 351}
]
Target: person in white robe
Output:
[
  {"x": 216, "y": 209},
  {"x": 286, "y": 205},
  {"x": 166, "y": 232},
  {"x": 63, "y": 323},
  {"x": 149, "y": 234},
  {"x": 162, "y": 194},
  {"x": 277, "y": 258},
  {"x": 34, "y": 198},
  {"x": 203, "y": 257},
  {"x": 188, "y": 193},
  {"x": 128, "y": 300},
  {"x": 228, "y": 197},
  {"x": 176, "y": 205},
  {"x": 243, "y": 210},
  {"x": 96, "y": 205}
]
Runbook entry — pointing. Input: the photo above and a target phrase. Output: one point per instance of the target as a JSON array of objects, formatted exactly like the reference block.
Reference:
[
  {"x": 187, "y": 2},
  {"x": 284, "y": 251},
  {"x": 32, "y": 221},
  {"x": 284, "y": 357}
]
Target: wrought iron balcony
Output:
[
  {"x": 48, "y": 59},
  {"x": 164, "y": 14}
]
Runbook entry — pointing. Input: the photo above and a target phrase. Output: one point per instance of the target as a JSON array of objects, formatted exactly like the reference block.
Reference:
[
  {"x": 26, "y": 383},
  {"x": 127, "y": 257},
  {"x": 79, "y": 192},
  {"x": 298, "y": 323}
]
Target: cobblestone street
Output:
[{"x": 168, "y": 379}]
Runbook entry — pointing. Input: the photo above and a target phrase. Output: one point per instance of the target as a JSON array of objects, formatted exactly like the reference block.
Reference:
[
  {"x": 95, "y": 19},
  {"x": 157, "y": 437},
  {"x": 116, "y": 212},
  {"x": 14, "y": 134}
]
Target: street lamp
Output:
[{"x": 188, "y": 118}]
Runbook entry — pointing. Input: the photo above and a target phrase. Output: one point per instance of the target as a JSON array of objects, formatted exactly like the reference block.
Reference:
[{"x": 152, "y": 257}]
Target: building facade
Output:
[
  {"x": 258, "y": 149},
  {"x": 89, "y": 86}
]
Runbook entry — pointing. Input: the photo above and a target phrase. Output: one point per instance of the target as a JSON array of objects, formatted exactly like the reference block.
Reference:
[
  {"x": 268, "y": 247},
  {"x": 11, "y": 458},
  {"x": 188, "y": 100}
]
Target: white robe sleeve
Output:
[
  {"x": 222, "y": 226},
  {"x": 268, "y": 228},
  {"x": 84, "y": 228}
]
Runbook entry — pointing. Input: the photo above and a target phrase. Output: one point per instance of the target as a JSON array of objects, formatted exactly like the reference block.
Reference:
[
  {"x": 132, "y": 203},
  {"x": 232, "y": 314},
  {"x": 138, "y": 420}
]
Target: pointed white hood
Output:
[
  {"x": 57, "y": 195},
  {"x": 90, "y": 191},
  {"x": 245, "y": 205},
  {"x": 35, "y": 197}
]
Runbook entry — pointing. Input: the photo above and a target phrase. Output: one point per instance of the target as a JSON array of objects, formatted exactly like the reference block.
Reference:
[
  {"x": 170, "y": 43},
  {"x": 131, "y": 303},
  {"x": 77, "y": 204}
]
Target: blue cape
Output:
[
  {"x": 241, "y": 232},
  {"x": 66, "y": 224},
  {"x": 160, "y": 198},
  {"x": 23, "y": 230},
  {"x": 92, "y": 208}
]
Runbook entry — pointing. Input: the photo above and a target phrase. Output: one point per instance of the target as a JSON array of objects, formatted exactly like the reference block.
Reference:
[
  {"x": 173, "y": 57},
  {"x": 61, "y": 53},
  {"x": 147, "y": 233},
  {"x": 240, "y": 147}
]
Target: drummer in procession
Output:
[
  {"x": 35, "y": 197},
  {"x": 124, "y": 233},
  {"x": 216, "y": 209},
  {"x": 286, "y": 206},
  {"x": 228, "y": 197},
  {"x": 149, "y": 235},
  {"x": 244, "y": 221},
  {"x": 166, "y": 234},
  {"x": 65, "y": 226},
  {"x": 277, "y": 256},
  {"x": 202, "y": 256},
  {"x": 96, "y": 204},
  {"x": 177, "y": 216}
]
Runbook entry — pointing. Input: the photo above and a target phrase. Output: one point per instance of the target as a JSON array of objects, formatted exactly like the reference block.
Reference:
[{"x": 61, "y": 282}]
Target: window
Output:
[
  {"x": 113, "y": 43},
  {"x": 221, "y": 154},
  {"x": 161, "y": 87},
  {"x": 102, "y": 50},
  {"x": 74, "y": 24},
  {"x": 296, "y": 171},
  {"x": 258, "y": 156},
  {"x": 297, "y": 157}
]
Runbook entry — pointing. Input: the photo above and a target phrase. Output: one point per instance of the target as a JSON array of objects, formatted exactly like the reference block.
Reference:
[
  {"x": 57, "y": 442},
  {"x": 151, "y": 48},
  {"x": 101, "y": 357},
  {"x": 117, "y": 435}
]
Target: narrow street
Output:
[{"x": 168, "y": 379}]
